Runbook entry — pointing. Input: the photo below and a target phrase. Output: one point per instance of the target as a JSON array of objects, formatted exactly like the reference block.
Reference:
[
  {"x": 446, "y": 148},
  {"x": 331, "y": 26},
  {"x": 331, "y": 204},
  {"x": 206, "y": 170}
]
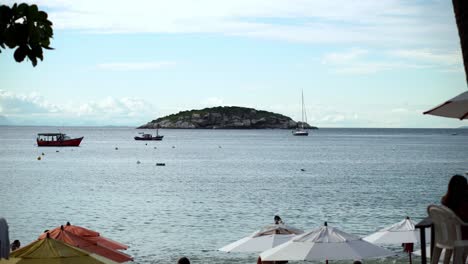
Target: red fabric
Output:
[
  {"x": 87, "y": 245},
  {"x": 92, "y": 236},
  {"x": 408, "y": 247}
]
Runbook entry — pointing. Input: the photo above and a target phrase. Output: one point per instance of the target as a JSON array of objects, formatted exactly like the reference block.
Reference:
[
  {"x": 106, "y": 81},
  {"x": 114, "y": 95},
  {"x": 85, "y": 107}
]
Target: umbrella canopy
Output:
[
  {"x": 268, "y": 237},
  {"x": 401, "y": 232},
  {"x": 51, "y": 251},
  {"x": 325, "y": 243},
  {"x": 456, "y": 107},
  {"x": 92, "y": 236},
  {"x": 4, "y": 239},
  {"x": 77, "y": 241}
]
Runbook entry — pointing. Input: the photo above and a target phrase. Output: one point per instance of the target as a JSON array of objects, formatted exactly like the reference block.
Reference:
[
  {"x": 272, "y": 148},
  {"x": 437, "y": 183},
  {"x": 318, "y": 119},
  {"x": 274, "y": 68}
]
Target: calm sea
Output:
[{"x": 221, "y": 185}]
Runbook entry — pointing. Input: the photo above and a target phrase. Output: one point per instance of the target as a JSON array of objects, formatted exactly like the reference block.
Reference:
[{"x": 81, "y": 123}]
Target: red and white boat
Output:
[{"x": 57, "y": 140}]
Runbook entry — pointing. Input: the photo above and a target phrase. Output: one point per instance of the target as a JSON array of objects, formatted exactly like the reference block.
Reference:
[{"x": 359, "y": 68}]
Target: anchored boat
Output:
[
  {"x": 57, "y": 140},
  {"x": 146, "y": 136},
  {"x": 300, "y": 130}
]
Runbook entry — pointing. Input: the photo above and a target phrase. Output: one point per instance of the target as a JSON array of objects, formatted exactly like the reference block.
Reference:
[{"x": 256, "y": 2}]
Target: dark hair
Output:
[
  {"x": 457, "y": 189},
  {"x": 357, "y": 262},
  {"x": 277, "y": 218},
  {"x": 183, "y": 260}
]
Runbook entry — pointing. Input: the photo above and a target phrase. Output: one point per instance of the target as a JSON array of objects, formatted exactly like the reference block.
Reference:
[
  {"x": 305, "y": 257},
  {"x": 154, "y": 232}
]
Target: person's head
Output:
[
  {"x": 277, "y": 219},
  {"x": 457, "y": 188},
  {"x": 183, "y": 260},
  {"x": 15, "y": 245},
  {"x": 357, "y": 262}
]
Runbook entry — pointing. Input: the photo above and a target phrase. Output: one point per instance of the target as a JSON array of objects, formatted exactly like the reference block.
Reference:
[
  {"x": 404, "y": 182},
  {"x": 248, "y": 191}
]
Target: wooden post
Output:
[{"x": 425, "y": 223}]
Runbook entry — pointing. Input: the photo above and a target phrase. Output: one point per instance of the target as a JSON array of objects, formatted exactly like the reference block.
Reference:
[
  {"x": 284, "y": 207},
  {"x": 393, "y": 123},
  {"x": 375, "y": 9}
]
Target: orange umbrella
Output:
[
  {"x": 90, "y": 246},
  {"x": 51, "y": 251},
  {"x": 92, "y": 236}
]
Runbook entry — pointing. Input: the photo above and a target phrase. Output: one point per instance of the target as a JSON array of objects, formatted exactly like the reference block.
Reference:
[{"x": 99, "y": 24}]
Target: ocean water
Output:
[{"x": 221, "y": 185}]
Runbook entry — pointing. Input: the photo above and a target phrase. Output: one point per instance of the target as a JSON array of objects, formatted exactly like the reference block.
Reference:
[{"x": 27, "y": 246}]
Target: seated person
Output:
[{"x": 456, "y": 199}]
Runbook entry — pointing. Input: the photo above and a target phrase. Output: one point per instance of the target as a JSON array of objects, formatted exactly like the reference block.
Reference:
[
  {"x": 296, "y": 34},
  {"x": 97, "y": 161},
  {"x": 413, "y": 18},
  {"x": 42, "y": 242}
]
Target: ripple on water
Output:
[{"x": 206, "y": 197}]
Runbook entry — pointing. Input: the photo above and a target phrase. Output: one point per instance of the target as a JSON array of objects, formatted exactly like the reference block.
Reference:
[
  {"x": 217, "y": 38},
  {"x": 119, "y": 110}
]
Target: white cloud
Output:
[
  {"x": 370, "y": 21},
  {"x": 361, "y": 61},
  {"x": 432, "y": 57},
  {"x": 344, "y": 57},
  {"x": 34, "y": 109},
  {"x": 135, "y": 66},
  {"x": 12, "y": 103}
]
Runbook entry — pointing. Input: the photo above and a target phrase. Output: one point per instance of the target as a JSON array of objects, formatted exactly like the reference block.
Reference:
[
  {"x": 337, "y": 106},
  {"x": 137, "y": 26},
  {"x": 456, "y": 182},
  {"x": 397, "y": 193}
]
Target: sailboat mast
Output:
[
  {"x": 302, "y": 119},
  {"x": 304, "y": 107}
]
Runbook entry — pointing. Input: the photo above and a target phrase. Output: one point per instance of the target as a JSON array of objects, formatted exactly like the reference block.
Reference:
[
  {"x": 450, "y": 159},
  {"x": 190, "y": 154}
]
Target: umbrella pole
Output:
[
  {"x": 326, "y": 261},
  {"x": 410, "y": 261}
]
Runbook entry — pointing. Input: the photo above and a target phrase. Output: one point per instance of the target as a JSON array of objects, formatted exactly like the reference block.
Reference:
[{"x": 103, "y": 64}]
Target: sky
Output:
[{"x": 367, "y": 63}]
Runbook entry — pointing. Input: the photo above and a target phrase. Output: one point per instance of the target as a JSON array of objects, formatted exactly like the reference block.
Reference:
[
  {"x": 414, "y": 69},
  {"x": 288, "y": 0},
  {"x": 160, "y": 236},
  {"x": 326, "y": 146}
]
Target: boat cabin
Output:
[
  {"x": 147, "y": 136},
  {"x": 52, "y": 137}
]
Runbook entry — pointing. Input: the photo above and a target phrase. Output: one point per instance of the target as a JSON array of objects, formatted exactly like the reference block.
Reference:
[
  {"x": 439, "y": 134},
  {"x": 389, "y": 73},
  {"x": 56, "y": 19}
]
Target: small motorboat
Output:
[
  {"x": 57, "y": 140},
  {"x": 146, "y": 136}
]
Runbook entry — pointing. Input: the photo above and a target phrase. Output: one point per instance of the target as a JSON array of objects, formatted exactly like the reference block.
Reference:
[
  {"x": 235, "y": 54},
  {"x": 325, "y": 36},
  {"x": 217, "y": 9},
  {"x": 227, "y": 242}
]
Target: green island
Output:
[{"x": 225, "y": 117}]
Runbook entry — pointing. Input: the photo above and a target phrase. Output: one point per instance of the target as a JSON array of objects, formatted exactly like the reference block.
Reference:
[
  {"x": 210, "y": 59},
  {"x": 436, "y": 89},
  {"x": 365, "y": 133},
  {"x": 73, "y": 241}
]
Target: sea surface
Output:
[{"x": 221, "y": 185}]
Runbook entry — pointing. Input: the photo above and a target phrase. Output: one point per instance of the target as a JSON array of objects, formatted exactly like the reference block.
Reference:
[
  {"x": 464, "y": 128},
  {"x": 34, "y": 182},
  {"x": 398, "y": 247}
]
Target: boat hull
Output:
[
  {"x": 74, "y": 142},
  {"x": 300, "y": 133},
  {"x": 149, "y": 139}
]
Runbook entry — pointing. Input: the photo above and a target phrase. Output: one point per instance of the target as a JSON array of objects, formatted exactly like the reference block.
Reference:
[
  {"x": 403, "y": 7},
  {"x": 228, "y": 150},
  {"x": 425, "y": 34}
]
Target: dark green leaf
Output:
[
  {"x": 33, "y": 12},
  {"x": 20, "y": 53},
  {"x": 32, "y": 59},
  {"x": 42, "y": 16},
  {"x": 22, "y": 9},
  {"x": 37, "y": 51},
  {"x": 26, "y": 29}
]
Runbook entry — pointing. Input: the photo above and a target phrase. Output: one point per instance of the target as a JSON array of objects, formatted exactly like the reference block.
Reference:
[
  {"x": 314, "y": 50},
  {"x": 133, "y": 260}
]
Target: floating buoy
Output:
[
  {"x": 173, "y": 146},
  {"x": 302, "y": 169},
  {"x": 160, "y": 164},
  {"x": 138, "y": 162},
  {"x": 43, "y": 154},
  {"x": 219, "y": 146},
  {"x": 116, "y": 148},
  {"x": 146, "y": 144},
  {"x": 39, "y": 158},
  {"x": 57, "y": 151},
  {"x": 155, "y": 147}
]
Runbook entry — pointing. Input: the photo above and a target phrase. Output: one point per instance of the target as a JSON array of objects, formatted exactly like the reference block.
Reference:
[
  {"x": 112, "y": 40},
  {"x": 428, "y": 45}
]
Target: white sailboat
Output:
[{"x": 300, "y": 131}]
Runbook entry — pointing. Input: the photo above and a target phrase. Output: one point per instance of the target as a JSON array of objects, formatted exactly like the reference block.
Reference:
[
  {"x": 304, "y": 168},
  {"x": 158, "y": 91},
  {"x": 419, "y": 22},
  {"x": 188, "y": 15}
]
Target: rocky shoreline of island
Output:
[{"x": 225, "y": 117}]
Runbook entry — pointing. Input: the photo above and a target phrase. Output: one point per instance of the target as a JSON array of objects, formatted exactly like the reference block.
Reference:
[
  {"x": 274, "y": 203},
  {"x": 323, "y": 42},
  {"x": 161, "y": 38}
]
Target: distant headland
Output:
[{"x": 225, "y": 117}]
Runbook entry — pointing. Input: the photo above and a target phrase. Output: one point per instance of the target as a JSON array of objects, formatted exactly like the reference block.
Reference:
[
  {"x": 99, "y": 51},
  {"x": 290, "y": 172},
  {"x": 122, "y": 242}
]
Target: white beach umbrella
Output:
[
  {"x": 403, "y": 232},
  {"x": 325, "y": 243},
  {"x": 268, "y": 237},
  {"x": 456, "y": 107},
  {"x": 4, "y": 239}
]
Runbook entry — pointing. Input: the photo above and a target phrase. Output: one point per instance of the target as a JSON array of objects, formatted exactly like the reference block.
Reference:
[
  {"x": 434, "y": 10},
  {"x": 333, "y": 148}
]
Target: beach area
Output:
[{"x": 218, "y": 186}]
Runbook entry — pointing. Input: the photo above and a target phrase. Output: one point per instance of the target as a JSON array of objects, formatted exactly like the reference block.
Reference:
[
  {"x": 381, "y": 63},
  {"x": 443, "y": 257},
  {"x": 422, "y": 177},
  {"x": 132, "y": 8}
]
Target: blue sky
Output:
[{"x": 367, "y": 64}]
